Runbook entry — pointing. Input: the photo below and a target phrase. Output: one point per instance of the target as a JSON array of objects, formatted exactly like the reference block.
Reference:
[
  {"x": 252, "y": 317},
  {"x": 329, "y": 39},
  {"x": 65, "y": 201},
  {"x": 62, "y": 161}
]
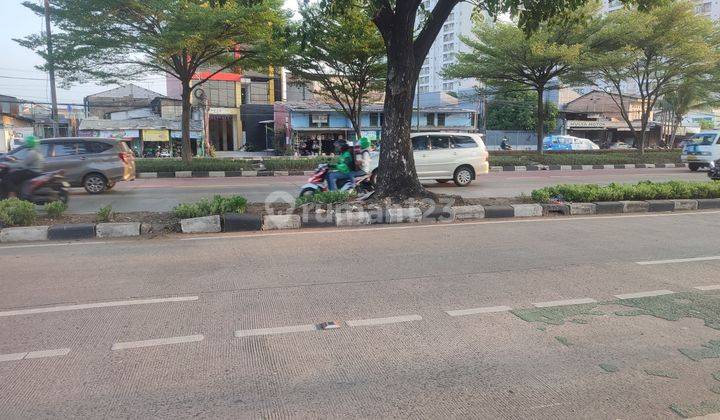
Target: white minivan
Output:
[
  {"x": 443, "y": 157},
  {"x": 701, "y": 149}
]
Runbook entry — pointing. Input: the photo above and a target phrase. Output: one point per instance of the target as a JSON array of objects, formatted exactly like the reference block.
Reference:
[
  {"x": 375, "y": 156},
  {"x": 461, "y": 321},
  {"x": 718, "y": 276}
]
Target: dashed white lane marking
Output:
[
  {"x": 383, "y": 321},
  {"x": 709, "y": 287},
  {"x": 33, "y": 354},
  {"x": 97, "y": 305},
  {"x": 679, "y": 260},
  {"x": 276, "y": 330},
  {"x": 645, "y": 294},
  {"x": 566, "y": 302},
  {"x": 473, "y": 311},
  {"x": 157, "y": 342}
]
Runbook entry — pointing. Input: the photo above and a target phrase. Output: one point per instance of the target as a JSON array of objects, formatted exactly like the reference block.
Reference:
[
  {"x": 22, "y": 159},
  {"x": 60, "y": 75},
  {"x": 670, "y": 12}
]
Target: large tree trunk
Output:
[
  {"x": 397, "y": 177},
  {"x": 540, "y": 122},
  {"x": 186, "y": 114}
]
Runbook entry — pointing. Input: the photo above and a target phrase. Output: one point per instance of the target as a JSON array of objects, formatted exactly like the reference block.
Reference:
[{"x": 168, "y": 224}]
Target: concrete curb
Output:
[
  {"x": 117, "y": 230},
  {"x": 24, "y": 234},
  {"x": 281, "y": 222},
  {"x": 207, "y": 224},
  {"x": 564, "y": 168},
  {"x": 71, "y": 232},
  {"x": 232, "y": 222}
]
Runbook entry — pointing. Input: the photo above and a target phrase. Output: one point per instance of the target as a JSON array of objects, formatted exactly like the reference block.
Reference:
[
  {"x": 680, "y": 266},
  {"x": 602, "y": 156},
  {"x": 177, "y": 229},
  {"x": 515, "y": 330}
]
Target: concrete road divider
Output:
[
  {"x": 655, "y": 206},
  {"x": 24, "y": 234},
  {"x": 440, "y": 214},
  {"x": 609, "y": 207},
  {"x": 560, "y": 209},
  {"x": 527, "y": 210},
  {"x": 233, "y": 222},
  {"x": 207, "y": 224},
  {"x": 71, "y": 232},
  {"x": 281, "y": 222},
  {"x": 117, "y": 230},
  {"x": 318, "y": 219},
  {"x": 635, "y": 206},
  {"x": 469, "y": 212},
  {"x": 403, "y": 215},
  {"x": 183, "y": 174},
  {"x": 708, "y": 203},
  {"x": 580, "y": 209},
  {"x": 495, "y": 212},
  {"x": 683, "y": 205},
  {"x": 352, "y": 218}
]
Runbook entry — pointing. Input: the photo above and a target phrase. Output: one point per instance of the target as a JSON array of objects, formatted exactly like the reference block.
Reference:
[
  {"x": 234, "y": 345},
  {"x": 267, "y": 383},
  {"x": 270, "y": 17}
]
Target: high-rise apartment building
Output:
[
  {"x": 709, "y": 8},
  {"x": 445, "y": 49}
]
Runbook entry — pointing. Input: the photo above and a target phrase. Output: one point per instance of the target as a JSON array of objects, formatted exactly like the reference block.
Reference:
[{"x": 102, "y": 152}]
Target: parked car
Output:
[
  {"x": 556, "y": 143},
  {"x": 443, "y": 157},
  {"x": 95, "y": 164},
  {"x": 701, "y": 149},
  {"x": 619, "y": 145}
]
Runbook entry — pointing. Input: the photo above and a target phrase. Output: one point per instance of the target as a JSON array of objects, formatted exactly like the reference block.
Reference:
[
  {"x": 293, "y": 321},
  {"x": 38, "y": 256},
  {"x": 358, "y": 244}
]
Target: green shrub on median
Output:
[
  {"x": 55, "y": 209},
  {"x": 596, "y": 157},
  {"x": 645, "y": 190},
  {"x": 218, "y": 205},
  {"x": 325, "y": 197},
  {"x": 14, "y": 212}
]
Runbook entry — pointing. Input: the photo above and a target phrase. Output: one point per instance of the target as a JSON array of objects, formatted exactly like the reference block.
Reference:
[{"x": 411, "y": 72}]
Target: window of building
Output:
[
  {"x": 448, "y": 57},
  {"x": 449, "y": 47},
  {"x": 703, "y": 8},
  {"x": 424, "y": 89},
  {"x": 430, "y": 120},
  {"x": 448, "y": 27},
  {"x": 424, "y": 80},
  {"x": 220, "y": 93},
  {"x": 425, "y": 70},
  {"x": 448, "y": 86},
  {"x": 319, "y": 120},
  {"x": 441, "y": 119},
  {"x": 376, "y": 119},
  {"x": 448, "y": 37}
]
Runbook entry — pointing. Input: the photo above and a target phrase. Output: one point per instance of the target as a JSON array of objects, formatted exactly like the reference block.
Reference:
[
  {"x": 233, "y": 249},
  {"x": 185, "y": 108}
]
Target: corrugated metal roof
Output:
[{"x": 152, "y": 123}]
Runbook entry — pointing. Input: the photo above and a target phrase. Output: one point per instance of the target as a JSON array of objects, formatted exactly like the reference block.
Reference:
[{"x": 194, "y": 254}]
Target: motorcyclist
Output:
[
  {"x": 30, "y": 167},
  {"x": 505, "y": 144},
  {"x": 364, "y": 157},
  {"x": 343, "y": 168}
]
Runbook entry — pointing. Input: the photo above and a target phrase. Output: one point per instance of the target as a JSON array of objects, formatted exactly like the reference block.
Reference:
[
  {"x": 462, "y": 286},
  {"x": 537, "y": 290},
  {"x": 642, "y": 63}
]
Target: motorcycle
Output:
[
  {"x": 714, "y": 171},
  {"x": 42, "y": 189},
  {"x": 318, "y": 183}
]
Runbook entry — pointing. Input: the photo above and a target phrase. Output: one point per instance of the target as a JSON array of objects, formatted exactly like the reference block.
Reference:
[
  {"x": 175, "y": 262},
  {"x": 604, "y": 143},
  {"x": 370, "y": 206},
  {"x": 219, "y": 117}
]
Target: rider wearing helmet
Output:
[{"x": 30, "y": 167}]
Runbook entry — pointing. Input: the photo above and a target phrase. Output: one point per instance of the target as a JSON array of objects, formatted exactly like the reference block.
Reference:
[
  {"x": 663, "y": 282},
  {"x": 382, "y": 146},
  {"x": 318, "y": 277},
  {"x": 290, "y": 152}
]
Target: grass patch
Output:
[
  {"x": 645, "y": 190},
  {"x": 696, "y": 410},
  {"x": 662, "y": 373},
  {"x": 564, "y": 341},
  {"x": 556, "y": 315},
  {"x": 217, "y": 206},
  {"x": 609, "y": 368},
  {"x": 709, "y": 350},
  {"x": 676, "y": 306}
]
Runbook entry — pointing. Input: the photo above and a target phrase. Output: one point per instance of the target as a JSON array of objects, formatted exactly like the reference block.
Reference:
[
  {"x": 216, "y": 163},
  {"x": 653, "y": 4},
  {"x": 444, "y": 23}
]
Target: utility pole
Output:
[{"x": 51, "y": 70}]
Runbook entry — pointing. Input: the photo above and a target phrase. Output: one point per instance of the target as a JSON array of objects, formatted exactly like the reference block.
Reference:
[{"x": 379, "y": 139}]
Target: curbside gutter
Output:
[
  {"x": 254, "y": 223},
  {"x": 564, "y": 168}
]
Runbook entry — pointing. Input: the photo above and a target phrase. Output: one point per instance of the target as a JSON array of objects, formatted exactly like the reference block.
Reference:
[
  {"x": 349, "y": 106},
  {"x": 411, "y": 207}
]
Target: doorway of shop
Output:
[{"x": 221, "y": 132}]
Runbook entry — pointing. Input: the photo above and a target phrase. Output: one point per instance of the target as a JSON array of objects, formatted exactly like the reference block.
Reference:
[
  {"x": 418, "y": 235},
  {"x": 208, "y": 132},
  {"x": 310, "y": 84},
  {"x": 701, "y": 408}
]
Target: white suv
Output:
[{"x": 446, "y": 156}]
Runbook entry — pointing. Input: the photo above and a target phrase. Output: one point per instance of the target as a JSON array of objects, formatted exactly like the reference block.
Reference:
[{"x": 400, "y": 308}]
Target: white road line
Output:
[
  {"x": 97, "y": 305},
  {"x": 567, "y": 302},
  {"x": 473, "y": 311},
  {"x": 709, "y": 287},
  {"x": 33, "y": 355},
  {"x": 45, "y": 245},
  {"x": 157, "y": 342},
  {"x": 47, "y": 353},
  {"x": 276, "y": 330},
  {"x": 645, "y": 294},
  {"x": 679, "y": 260},
  {"x": 383, "y": 321},
  {"x": 357, "y": 230}
]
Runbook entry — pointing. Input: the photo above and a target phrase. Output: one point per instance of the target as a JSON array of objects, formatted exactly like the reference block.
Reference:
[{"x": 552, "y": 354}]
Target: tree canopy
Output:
[
  {"x": 111, "y": 40},
  {"x": 517, "y": 110},
  {"x": 342, "y": 53}
]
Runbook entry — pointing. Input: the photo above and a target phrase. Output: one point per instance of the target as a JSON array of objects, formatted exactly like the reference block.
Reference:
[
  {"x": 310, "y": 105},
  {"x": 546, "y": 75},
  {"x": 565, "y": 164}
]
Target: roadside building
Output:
[
  {"x": 123, "y": 98},
  {"x": 13, "y": 126},
  {"x": 313, "y": 127},
  {"x": 596, "y": 116}
]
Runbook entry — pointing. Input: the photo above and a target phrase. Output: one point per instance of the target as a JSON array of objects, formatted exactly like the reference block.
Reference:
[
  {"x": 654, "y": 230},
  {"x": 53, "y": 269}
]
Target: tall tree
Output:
[
  {"x": 407, "y": 42},
  {"x": 517, "y": 110},
  {"x": 112, "y": 40},
  {"x": 342, "y": 53},
  {"x": 504, "y": 57},
  {"x": 691, "y": 94},
  {"x": 648, "y": 53}
]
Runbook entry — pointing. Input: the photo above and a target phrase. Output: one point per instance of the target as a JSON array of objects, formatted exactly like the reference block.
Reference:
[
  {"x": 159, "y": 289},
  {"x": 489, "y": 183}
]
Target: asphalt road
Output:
[
  {"x": 238, "y": 339},
  {"x": 164, "y": 194}
]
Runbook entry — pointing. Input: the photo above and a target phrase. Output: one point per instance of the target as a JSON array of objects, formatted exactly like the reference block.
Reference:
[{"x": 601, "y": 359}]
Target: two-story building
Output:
[{"x": 312, "y": 127}]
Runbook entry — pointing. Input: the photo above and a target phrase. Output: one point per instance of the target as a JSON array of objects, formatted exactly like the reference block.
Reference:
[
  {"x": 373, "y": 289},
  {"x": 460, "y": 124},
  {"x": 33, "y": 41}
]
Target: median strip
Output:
[
  {"x": 97, "y": 305},
  {"x": 157, "y": 342}
]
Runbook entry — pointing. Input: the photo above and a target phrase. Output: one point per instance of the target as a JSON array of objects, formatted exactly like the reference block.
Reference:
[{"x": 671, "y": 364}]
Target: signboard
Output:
[
  {"x": 156, "y": 135},
  {"x": 585, "y": 124},
  {"x": 370, "y": 135},
  {"x": 194, "y": 135},
  {"x": 320, "y": 118},
  {"x": 120, "y": 134}
]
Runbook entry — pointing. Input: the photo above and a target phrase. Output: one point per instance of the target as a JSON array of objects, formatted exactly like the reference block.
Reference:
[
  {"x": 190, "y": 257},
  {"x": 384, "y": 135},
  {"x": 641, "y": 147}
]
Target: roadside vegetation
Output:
[
  {"x": 325, "y": 197},
  {"x": 217, "y": 206},
  {"x": 646, "y": 190},
  {"x": 55, "y": 209},
  {"x": 14, "y": 212}
]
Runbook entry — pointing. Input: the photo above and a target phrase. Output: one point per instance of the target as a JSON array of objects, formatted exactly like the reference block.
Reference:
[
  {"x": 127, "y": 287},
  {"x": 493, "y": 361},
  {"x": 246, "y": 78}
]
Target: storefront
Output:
[{"x": 314, "y": 142}]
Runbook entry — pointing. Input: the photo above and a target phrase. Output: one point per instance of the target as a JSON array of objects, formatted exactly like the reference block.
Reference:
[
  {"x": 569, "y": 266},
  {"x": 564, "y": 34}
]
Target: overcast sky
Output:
[{"x": 18, "y": 63}]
